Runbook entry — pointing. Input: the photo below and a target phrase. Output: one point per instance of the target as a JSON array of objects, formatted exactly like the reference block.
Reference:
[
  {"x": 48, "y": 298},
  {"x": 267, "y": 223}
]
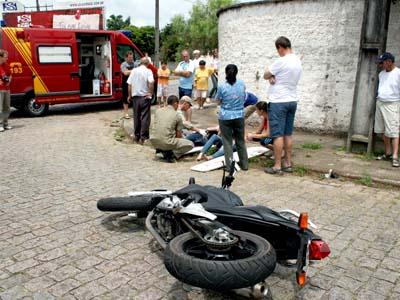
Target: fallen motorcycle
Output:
[{"x": 213, "y": 241}]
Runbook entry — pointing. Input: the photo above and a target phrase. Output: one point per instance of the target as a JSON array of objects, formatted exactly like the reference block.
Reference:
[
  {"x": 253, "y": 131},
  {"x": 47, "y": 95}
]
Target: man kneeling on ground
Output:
[{"x": 166, "y": 132}]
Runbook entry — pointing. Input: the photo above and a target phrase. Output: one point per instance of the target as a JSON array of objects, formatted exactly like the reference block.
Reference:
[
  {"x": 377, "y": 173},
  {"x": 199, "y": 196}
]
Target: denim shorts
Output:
[
  {"x": 281, "y": 118},
  {"x": 185, "y": 92}
]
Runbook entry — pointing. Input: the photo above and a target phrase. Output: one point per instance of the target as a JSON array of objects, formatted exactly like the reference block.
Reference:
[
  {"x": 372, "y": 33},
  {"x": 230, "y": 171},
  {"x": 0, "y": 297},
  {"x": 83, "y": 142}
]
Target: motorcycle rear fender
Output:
[{"x": 196, "y": 209}]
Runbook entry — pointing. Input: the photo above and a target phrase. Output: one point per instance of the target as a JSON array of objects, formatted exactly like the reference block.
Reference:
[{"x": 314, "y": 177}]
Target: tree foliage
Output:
[
  {"x": 199, "y": 31},
  {"x": 117, "y": 22}
]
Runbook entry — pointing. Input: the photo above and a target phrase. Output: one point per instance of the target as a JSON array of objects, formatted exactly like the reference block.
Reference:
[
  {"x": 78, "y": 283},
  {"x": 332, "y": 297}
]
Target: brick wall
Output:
[{"x": 325, "y": 33}]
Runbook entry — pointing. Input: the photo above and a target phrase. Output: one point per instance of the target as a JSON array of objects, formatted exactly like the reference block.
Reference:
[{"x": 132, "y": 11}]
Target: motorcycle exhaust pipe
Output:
[
  {"x": 153, "y": 232},
  {"x": 259, "y": 291}
]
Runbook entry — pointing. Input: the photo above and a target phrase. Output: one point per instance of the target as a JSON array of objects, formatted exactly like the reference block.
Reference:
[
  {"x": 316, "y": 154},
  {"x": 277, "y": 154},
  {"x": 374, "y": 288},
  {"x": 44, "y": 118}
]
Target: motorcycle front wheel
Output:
[{"x": 243, "y": 265}]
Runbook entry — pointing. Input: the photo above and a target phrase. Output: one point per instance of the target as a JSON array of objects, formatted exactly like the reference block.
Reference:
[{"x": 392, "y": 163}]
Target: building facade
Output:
[{"x": 324, "y": 33}]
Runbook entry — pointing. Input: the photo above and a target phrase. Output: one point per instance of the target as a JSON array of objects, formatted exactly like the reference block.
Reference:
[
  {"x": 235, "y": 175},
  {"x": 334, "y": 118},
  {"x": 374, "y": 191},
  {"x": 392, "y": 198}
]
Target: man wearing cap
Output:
[
  {"x": 166, "y": 131},
  {"x": 387, "y": 115}
]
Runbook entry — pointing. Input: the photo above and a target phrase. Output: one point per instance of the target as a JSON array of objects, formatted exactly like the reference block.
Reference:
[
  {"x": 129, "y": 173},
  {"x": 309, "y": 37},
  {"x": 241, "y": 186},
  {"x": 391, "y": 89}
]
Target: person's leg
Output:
[
  {"x": 2, "y": 107},
  {"x": 288, "y": 140},
  {"x": 7, "y": 108},
  {"x": 395, "y": 147},
  {"x": 145, "y": 119},
  {"x": 277, "y": 120},
  {"x": 136, "y": 117},
  {"x": 388, "y": 147},
  {"x": 182, "y": 147},
  {"x": 238, "y": 135},
  {"x": 248, "y": 111},
  {"x": 180, "y": 92},
  {"x": 226, "y": 135}
]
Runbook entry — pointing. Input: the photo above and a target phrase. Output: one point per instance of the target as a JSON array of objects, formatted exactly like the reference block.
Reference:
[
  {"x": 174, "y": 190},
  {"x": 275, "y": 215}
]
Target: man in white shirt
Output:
[
  {"x": 283, "y": 76},
  {"x": 387, "y": 115},
  {"x": 140, "y": 91}
]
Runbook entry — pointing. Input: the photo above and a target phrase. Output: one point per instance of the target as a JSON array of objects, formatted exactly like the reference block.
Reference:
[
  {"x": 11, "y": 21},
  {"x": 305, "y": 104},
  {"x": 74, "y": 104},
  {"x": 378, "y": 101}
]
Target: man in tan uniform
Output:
[{"x": 166, "y": 132}]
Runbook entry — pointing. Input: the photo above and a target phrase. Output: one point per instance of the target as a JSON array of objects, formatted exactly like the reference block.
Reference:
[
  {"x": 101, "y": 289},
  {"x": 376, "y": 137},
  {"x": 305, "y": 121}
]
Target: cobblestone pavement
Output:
[{"x": 54, "y": 243}]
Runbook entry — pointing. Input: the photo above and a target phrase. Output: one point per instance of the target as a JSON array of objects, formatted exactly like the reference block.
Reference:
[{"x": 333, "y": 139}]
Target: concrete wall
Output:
[
  {"x": 325, "y": 33},
  {"x": 393, "y": 41}
]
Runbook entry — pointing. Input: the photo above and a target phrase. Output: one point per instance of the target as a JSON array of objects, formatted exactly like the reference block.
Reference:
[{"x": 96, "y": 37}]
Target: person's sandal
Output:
[
  {"x": 288, "y": 169},
  {"x": 395, "y": 162},
  {"x": 273, "y": 171}
]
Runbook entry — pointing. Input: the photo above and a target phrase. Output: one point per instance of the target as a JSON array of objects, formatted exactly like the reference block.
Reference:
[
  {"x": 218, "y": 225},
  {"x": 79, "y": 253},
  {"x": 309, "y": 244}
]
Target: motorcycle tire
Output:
[
  {"x": 220, "y": 275},
  {"x": 142, "y": 203}
]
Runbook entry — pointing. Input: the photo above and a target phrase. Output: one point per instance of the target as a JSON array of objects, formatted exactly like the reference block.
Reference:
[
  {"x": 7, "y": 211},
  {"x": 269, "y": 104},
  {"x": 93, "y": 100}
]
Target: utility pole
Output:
[
  {"x": 37, "y": 5},
  {"x": 157, "y": 36}
]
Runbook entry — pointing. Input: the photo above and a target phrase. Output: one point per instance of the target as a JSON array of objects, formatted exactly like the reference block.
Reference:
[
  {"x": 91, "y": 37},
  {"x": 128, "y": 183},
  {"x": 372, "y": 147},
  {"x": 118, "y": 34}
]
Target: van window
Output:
[
  {"x": 121, "y": 51},
  {"x": 55, "y": 54}
]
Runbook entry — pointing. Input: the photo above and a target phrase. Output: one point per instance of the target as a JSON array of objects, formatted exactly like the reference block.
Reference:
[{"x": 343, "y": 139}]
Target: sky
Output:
[{"x": 141, "y": 11}]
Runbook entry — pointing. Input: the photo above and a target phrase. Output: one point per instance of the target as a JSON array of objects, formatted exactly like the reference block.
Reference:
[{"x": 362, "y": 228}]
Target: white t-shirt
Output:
[
  {"x": 139, "y": 79},
  {"x": 287, "y": 71},
  {"x": 389, "y": 85}
]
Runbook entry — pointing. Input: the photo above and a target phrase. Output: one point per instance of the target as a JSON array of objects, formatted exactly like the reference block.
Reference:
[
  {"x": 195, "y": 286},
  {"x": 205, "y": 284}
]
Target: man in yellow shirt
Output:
[
  {"x": 162, "y": 84},
  {"x": 201, "y": 77}
]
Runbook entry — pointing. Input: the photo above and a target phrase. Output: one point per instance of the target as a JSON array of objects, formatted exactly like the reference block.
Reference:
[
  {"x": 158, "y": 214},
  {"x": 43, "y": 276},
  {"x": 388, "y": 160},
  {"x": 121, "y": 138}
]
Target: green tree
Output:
[
  {"x": 143, "y": 37},
  {"x": 174, "y": 38},
  {"x": 117, "y": 22},
  {"x": 200, "y": 31}
]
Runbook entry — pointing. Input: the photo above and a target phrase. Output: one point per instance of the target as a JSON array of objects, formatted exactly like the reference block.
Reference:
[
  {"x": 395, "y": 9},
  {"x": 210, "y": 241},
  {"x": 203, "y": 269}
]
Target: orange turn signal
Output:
[
  {"x": 301, "y": 278},
  {"x": 303, "y": 221}
]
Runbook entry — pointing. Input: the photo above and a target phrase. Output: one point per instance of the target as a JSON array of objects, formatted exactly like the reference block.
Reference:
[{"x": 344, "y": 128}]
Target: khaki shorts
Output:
[
  {"x": 387, "y": 118},
  {"x": 162, "y": 90},
  {"x": 201, "y": 93}
]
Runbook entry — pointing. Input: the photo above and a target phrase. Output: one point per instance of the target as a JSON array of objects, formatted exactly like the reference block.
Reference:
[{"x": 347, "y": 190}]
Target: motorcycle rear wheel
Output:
[
  {"x": 185, "y": 260},
  {"x": 142, "y": 203}
]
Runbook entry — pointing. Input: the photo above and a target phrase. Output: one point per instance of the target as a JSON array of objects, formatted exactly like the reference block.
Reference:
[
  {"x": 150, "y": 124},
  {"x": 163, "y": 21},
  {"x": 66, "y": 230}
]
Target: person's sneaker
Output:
[
  {"x": 7, "y": 127},
  {"x": 127, "y": 116},
  {"x": 395, "y": 162},
  {"x": 386, "y": 157},
  {"x": 1, "y": 128}
]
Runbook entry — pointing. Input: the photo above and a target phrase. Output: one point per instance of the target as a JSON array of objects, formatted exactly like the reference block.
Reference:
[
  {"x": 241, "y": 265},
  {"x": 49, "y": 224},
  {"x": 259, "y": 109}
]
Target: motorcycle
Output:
[{"x": 212, "y": 240}]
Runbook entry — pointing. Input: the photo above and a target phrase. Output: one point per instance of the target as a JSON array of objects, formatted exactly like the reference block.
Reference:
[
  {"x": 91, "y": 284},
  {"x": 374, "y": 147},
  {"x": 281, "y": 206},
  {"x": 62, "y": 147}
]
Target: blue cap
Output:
[{"x": 385, "y": 56}]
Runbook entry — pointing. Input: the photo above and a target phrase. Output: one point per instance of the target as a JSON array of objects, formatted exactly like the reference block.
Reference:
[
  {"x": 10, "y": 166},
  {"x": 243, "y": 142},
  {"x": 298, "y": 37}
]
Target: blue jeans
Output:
[
  {"x": 215, "y": 138},
  {"x": 281, "y": 118},
  {"x": 197, "y": 139},
  {"x": 184, "y": 92}
]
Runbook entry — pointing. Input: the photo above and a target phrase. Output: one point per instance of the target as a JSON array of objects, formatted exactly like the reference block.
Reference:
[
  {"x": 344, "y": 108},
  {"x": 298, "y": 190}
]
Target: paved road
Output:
[{"x": 55, "y": 244}]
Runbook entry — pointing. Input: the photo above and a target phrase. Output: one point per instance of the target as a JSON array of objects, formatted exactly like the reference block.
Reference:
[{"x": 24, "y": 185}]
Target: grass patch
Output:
[
  {"x": 367, "y": 157},
  {"x": 365, "y": 180},
  {"x": 301, "y": 170},
  {"x": 341, "y": 149},
  {"x": 311, "y": 146},
  {"x": 119, "y": 135}
]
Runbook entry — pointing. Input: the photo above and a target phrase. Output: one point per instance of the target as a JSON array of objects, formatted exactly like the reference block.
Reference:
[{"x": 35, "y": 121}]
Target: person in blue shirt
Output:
[
  {"x": 185, "y": 71},
  {"x": 231, "y": 95},
  {"x": 249, "y": 104}
]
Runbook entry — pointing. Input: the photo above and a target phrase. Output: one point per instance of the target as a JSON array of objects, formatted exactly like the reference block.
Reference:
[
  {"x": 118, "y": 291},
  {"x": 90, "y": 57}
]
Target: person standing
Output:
[
  {"x": 185, "y": 71},
  {"x": 283, "y": 75},
  {"x": 166, "y": 131},
  {"x": 162, "y": 85},
  {"x": 126, "y": 68},
  {"x": 387, "y": 113},
  {"x": 202, "y": 74},
  {"x": 140, "y": 89},
  {"x": 231, "y": 95},
  {"x": 5, "y": 79}
]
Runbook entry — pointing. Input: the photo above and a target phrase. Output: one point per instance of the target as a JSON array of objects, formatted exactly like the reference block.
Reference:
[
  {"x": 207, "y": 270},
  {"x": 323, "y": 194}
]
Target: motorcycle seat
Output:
[{"x": 257, "y": 212}]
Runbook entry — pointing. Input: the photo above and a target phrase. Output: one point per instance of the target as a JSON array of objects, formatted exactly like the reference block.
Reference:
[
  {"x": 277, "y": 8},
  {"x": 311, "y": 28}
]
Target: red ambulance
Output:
[{"x": 58, "y": 66}]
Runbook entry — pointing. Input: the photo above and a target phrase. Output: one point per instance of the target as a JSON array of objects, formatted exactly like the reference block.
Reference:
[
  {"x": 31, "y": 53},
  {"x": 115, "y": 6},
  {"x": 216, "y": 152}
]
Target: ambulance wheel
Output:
[{"x": 35, "y": 109}]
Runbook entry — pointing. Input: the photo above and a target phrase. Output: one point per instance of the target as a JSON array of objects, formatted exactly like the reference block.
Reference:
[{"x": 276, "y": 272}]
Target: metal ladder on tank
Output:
[{"x": 372, "y": 44}]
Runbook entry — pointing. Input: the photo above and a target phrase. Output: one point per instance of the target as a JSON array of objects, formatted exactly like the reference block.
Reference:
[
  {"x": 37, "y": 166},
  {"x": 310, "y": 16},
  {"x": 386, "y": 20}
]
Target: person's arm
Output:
[{"x": 150, "y": 84}]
